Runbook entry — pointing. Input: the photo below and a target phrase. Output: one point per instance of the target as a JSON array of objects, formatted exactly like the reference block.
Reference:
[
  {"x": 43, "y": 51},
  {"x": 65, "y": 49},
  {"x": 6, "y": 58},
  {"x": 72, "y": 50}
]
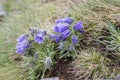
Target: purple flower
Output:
[
  {"x": 21, "y": 47},
  {"x": 61, "y": 46},
  {"x": 79, "y": 26},
  {"x": 35, "y": 30},
  {"x": 20, "y": 50},
  {"x": 41, "y": 33},
  {"x": 65, "y": 34},
  {"x": 22, "y": 37},
  {"x": 74, "y": 39},
  {"x": 56, "y": 37},
  {"x": 39, "y": 38},
  {"x": 65, "y": 20},
  {"x": 61, "y": 27},
  {"x": 24, "y": 44}
]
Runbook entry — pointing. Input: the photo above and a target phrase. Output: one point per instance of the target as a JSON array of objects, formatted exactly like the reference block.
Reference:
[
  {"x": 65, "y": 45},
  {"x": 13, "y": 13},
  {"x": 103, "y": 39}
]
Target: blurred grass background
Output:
[{"x": 23, "y": 14}]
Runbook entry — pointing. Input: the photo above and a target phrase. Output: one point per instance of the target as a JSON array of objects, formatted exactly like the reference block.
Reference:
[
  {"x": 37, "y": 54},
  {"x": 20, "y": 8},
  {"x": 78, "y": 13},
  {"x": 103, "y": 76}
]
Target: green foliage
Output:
[
  {"x": 113, "y": 2},
  {"x": 9, "y": 68},
  {"x": 111, "y": 41},
  {"x": 90, "y": 64},
  {"x": 39, "y": 57}
]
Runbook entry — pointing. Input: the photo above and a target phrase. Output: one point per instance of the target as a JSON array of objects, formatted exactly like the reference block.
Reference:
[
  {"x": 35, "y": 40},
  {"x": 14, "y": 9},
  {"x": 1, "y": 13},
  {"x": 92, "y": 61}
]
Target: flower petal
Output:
[
  {"x": 22, "y": 37},
  {"x": 65, "y": 34},
  {"x": 56, "y": 37},
  {"x": 61, "y": 27},
  {"x": 39, "y": 39},
  {"x": 79, "y": 26},
  {"x": 74, "y": 39},
  {"x": 65, "y": 20}
]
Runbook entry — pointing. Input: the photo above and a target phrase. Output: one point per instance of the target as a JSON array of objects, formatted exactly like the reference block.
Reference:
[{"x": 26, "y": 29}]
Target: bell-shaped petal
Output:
[
  {"x": 61, "y": 27},
  {"x": 22, "y": 46},
  {"x": 56, "y": 37},
  {"x": 39, "y": 39},
  {"x": 65, "y": 34},
  {"x": 20, "y": 50},
  {"x": 65, "y": 20},
  {"x": 40, "y": 33},
  {"x": 22, "y": 37},
  {"x": 79, "y": 26},
  {"x": 74, "y": 39}
]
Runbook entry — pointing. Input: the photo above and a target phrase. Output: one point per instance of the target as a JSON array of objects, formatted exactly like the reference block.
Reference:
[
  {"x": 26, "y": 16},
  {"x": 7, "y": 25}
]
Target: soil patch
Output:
[{"x": 62, "y": 69}]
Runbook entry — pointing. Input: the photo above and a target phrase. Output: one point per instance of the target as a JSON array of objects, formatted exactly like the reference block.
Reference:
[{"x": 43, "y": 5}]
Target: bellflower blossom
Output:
[
  {"x": 20, "y": 50},
  {"x": 39, "y": 38},
  {"x": 61, "y": 27},
  {"x": 56, "y": 37},
  {"x": 65, "y": 34},
  {"x": 22, "y": 37},
  {"x": 65, "y": 20},
  {"x": 74, "y": 39},
  {"x": 79, "y": 27},
  {"x": 23, "y": 45},
  {"x": 74, "y": 42}
]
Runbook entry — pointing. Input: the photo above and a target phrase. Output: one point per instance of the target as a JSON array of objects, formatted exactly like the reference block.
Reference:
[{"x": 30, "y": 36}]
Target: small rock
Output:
[
  {"x": 117, "y": 77},
  {"x": 2, "y": 12},
  {"x": 54, "y": 78}
]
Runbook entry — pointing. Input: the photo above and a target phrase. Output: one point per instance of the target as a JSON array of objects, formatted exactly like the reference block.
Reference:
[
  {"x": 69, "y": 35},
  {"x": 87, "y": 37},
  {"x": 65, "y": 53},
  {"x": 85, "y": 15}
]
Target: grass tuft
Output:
[{"x": 90, "y": 64}]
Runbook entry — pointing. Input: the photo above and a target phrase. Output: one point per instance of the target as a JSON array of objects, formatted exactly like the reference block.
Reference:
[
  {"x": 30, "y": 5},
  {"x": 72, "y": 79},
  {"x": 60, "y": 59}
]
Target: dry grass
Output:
[{"x": 91, "y": 65}]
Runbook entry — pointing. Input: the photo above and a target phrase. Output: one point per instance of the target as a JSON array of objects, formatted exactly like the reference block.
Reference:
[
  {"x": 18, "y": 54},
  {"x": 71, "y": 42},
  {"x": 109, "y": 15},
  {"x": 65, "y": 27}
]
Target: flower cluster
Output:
[
  {"x": 65, "y": 37},
  {"x": 24, "y": 42},
  {"x": 62, "y": 28}
]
